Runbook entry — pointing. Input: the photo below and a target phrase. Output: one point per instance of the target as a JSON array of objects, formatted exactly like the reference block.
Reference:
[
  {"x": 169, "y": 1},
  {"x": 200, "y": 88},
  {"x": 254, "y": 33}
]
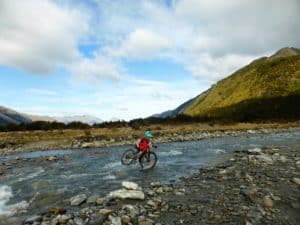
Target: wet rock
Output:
[
  {"x": 79, "y": 221},
  {"x": 251, "y": 131},
  {"x": 151, "y": 203},
  {"x": 92, "y": 199},
  {"x": 133, "y": 211},
  {"x": 125, "y": 219},
  {"x": 130, "y": 185},
  {"x": 178, "y": 193},
  {"x": 115, "y": 220},
  {"x": 62, "y": 219},
  {"x": 282, "y": 159},
  {"x": 101, "y": 201},
  {"x": 265, "y": 158},
  {"x": 296, "y": 180},
  {"x": 40, "y": 184},
  {"x": 96, "y": 219},
  {"x": 248, "y": 223},
  {"x": 51, "y": 158},
  {"x": 150, "y": 192},
  {"x": 32, "y": 219},
  {"x": 105, "y": 212},
  {"x": 249, "y": 193},
  {"x": 159, "y": 190},
  {"x": 78, "y": 199},
  {"x": 155, "y": 184},
  {"x": 267, "y": 201},
  {"x": 255, "y": 151},
  {"x": 127, "y": 194}
]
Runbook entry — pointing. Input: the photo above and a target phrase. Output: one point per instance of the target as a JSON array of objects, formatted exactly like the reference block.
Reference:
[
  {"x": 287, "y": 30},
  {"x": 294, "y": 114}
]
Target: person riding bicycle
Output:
[{"x": 143, "y": 145}]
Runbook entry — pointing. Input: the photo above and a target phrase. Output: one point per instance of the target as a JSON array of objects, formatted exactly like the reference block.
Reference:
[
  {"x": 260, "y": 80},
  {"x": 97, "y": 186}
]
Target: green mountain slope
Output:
[{"x": 268, "y": 87}]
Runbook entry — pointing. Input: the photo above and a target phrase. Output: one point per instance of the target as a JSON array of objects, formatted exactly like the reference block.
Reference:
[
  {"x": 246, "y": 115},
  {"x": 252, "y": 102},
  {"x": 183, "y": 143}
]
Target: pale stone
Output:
[
  {"x": 127, "y": 194},
  {"x": 296, "y": 181},
  {"x": 255, "y": 151},
  {"x": 130, "y": 185},
  {"x": 268, "y": 201},
  {"x": 78, "y": 199},
  {"x": 115, "y": 220},
  {"x": 105, "y": 212},
  {"x": 265, "y": 158}
]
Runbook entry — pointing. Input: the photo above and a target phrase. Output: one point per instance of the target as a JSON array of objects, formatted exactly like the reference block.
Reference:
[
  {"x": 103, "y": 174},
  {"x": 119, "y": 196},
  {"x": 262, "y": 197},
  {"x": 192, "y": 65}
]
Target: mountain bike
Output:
[{"x": 148, "y": 160}]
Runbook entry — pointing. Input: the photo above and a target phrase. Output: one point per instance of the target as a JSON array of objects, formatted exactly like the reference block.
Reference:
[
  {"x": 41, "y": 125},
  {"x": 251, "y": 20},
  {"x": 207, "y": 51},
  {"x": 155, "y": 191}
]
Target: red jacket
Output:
[{"x": 143, "y": 143}]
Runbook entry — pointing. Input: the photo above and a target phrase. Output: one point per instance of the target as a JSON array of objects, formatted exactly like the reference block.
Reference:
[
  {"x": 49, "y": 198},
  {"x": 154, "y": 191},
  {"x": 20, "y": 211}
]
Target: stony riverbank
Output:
[
  {"x": 257, "y": 186},
  {"x": 98, "y": 141}
]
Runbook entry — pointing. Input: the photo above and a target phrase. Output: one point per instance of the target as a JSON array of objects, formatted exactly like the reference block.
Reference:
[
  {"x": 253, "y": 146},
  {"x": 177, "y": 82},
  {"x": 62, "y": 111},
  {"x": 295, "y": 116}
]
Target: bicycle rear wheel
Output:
[
  {"x": 149, "y": 160},
  {"x": 128, "y": 157}
]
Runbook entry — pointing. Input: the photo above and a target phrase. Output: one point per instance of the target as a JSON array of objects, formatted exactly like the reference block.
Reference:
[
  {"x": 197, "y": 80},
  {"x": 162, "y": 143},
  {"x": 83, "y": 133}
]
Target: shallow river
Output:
[{"x": 30, "y": 188}]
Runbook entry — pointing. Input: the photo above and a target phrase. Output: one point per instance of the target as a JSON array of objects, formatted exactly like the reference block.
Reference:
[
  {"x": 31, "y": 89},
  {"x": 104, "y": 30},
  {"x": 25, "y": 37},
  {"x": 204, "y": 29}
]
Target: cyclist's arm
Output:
[{"x": 151, "y": 144}]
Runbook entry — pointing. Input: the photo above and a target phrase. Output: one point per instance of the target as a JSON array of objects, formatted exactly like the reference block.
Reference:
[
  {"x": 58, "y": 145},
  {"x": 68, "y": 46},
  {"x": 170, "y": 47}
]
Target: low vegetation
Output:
[{"x": 271, "y": 85}]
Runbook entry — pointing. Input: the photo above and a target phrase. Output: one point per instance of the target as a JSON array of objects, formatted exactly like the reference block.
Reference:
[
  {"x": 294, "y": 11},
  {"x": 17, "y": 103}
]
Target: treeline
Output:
[
  {"x": 135, "y": 124},
  {"x": 43, "y": 125},
  {"x": 284, "y": 108}
]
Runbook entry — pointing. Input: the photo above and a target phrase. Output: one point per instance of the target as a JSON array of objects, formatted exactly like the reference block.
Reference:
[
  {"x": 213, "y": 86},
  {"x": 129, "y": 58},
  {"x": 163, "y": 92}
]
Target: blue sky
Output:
[{"x": 127, "y": 59}]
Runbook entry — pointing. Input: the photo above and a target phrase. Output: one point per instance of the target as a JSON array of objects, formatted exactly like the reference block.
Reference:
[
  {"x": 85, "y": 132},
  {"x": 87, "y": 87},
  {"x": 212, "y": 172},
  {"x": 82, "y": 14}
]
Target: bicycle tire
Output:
[
  {"x": 128, "y": 157},
  {"x": 153, "y": 160}
]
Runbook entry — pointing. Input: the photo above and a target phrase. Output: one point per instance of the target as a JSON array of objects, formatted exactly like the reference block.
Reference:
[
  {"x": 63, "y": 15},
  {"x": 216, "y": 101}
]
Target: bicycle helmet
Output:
[{"x": 148, "y": 134}]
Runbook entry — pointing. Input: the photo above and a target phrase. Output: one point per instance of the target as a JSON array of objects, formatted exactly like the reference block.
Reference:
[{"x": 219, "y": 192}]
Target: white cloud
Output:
[
  {"x": 96, "y": 70},
  {"x": 241, "y": 27},
  {"x": 141, "y": 44},
  {"x": 39, "y": 36},
  {"x": 206, "y": 67}
]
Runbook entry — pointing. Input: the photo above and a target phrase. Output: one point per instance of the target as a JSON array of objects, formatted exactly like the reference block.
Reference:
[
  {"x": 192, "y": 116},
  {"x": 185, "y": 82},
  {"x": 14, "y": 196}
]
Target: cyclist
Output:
[{"x": 143, "y": 146}]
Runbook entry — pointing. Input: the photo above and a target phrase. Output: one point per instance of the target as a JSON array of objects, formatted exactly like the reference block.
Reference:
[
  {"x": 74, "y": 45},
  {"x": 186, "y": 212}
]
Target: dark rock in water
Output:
[
  {"x": 96, "y": 219},
  {"x": 40, "y": 184},
  {"x": 32, "y": 219}
]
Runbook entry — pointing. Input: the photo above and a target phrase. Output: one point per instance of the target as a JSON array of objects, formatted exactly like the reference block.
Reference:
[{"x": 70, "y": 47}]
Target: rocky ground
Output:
[{"x": 258, "y": 186}]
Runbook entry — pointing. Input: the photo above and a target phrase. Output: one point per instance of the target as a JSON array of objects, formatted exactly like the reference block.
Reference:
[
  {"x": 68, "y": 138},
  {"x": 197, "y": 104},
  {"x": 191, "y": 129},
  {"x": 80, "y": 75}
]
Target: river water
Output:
[{"x": 37, "y": 185}]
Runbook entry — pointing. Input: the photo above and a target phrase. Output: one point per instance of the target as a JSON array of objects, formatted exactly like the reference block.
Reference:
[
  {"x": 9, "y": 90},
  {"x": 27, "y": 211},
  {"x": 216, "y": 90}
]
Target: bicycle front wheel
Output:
[{"x": 149, "y": 160}]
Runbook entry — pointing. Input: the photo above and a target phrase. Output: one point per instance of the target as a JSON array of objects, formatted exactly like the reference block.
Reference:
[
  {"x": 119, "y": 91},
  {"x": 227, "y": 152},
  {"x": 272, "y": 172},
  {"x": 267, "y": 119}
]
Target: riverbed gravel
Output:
[{"x": 257, "y": 186}]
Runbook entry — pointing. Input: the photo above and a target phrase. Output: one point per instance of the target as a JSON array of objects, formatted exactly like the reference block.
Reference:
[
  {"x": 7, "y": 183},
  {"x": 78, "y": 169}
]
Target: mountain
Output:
[
  {"x": 173, "y": 113},
  {"x": 35, "y": 118},
  {"x": 8, "y": 116},
  {"x": 67, "y": 119},
  {"x": 83, "y": 119},
  {"x": 267, "y": 88}
]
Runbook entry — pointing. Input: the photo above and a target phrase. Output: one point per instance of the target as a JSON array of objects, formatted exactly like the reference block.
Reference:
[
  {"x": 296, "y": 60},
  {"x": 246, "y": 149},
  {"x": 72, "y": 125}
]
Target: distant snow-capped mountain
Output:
[{"x": 83, "y": 119}]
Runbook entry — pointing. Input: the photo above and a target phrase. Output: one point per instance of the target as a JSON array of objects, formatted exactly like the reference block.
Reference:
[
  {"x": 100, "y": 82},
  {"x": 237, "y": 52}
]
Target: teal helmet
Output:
[{"x": 148, "y": 134}]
